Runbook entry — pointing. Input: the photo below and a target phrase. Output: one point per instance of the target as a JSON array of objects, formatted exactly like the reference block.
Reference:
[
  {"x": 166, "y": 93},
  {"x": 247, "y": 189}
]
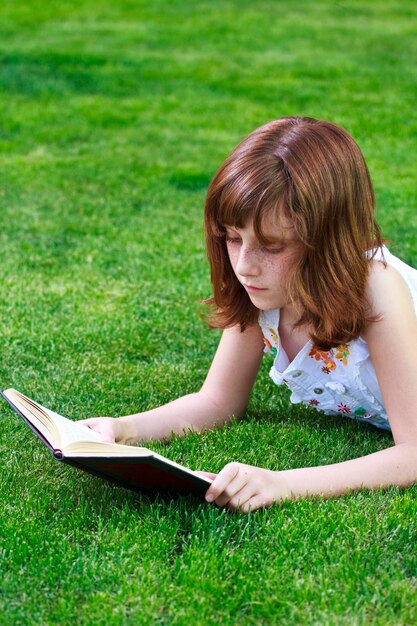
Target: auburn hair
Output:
[{"x": 313, "y": 173}]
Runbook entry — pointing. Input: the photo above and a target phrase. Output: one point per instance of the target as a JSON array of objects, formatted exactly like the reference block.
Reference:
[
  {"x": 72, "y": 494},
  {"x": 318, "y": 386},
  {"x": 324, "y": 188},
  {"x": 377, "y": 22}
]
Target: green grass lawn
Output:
[{"x": 113, "y": 118}]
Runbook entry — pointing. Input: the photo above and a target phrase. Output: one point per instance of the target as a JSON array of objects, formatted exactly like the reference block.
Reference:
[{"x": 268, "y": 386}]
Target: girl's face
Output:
[{"x": 263, "y": 269}]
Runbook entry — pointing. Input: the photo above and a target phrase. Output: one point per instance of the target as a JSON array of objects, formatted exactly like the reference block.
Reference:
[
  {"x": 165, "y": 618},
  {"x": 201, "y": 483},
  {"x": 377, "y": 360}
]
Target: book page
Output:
[
  {"x": 101, "y": 448},
  {"x": 39, "y": 421},
  {"x": 57, "y": 429},
  {"x": 77, "y": 439},
  {"x": 70, "y": 431},
  {"x": 64, "y": 434}
]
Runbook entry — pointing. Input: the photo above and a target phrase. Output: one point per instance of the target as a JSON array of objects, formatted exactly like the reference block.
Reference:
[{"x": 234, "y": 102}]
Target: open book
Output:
[{"x": 130, "y": 466}]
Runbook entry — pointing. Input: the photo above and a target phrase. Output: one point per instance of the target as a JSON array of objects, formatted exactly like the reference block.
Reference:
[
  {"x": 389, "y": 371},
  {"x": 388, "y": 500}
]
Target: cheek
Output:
[
  {"x": 232, "y": 254},
  {"x": 280, "y": 268},
  {"x": 276, "y": 264}
]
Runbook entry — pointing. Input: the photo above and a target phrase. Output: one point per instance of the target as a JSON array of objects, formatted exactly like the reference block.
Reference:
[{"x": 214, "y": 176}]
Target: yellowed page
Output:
[
  {"x": 58, "y": 430},
  {"x": 64, "y": 434},
  {"x": 40, "y": 421},
  {"x": 101, "y": 448}
]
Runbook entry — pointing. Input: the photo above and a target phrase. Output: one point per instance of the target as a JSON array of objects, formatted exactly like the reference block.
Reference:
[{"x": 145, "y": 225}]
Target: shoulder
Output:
[
  {"x": 387, "y": 292},
  {"x": 391, "y": 305},
  {"x": 237, "y": 342},
  {"x": 392, "y": 344}
]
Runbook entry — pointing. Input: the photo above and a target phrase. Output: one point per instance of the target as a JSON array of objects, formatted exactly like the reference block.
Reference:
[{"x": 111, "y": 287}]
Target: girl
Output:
[{"x": 298, "y": 266}]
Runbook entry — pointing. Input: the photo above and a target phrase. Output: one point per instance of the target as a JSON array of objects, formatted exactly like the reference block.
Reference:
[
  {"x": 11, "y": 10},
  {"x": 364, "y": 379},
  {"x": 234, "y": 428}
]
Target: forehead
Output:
[{"x": 277, "y": 227}]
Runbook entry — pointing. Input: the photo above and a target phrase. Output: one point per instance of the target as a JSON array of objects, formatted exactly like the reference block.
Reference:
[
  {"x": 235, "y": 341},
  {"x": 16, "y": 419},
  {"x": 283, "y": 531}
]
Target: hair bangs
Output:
[{"x": 245, "y": 199}]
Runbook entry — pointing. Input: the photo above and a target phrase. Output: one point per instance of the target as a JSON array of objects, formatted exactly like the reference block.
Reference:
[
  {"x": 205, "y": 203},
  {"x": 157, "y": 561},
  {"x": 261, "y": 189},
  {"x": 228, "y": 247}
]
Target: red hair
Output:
[{"x": 314, "y": 173}]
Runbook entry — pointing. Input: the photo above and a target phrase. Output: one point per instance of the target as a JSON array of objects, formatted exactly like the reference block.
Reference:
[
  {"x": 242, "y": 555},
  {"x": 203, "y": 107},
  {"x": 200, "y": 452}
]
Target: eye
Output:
[
  {"x": 273, "y": 249},
  {"x": 232, "y": 238}
]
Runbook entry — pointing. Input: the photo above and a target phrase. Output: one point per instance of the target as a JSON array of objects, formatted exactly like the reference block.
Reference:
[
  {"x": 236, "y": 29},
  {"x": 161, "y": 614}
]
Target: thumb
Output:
[{"x": 96, "y": 425}]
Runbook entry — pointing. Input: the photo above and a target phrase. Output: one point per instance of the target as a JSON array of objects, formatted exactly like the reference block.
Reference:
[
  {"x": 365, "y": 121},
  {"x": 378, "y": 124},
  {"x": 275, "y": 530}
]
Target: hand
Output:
[
  {"x": 108, "y": 427},
  {"x": 244, "y": 487}
]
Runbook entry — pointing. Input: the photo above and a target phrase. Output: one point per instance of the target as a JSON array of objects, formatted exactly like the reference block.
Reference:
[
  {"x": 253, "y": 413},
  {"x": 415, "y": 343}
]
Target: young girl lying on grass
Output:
[{"x": 299, "y": 268}]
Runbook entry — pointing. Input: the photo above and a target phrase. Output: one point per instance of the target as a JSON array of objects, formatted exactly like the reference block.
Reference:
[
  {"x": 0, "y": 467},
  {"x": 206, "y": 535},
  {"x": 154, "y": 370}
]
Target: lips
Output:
[{"x": 253, "y": 289}]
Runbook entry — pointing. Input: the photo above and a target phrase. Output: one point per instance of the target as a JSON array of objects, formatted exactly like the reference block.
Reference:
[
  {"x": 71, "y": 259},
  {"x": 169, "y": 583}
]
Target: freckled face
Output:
[{"x": 263, "y": 269}]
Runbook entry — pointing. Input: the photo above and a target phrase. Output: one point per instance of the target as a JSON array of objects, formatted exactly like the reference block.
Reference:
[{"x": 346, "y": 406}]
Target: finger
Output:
[
  {"x": 89, "y": 423},
  {"x": 258, "y": 501},
  {"x": 84, "y": 423},
  {"x": 106, "y": 437},
  {"x": 223, "y": 479},
  {"x": 99, "y": 426},
  {"x": 241, "y": 497},
  {"x": 234, "y": 487},
  {"x": 206, "y": 474},
  {"x": 230, "y": 491}
]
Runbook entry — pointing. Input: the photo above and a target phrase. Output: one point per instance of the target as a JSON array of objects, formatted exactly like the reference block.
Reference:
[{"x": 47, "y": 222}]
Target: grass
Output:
[{"x": 114, "y": 117}]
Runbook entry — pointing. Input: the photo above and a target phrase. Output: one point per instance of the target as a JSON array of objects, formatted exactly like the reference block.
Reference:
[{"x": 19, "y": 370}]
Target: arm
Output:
[
  {"x": 392, "y": 343},
  {"x": 225, "y": 393}
]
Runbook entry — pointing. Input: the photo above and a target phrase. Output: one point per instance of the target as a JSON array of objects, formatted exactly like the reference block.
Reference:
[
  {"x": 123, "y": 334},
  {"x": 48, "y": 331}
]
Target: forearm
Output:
[
  {"x": 393, "y": 466},
  {"x": 196, "y": 411}
]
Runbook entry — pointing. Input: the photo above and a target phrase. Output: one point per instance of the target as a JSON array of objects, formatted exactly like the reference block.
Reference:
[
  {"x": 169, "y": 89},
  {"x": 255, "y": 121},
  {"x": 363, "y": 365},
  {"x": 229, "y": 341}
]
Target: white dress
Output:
[{"x": 340, "y": 381}]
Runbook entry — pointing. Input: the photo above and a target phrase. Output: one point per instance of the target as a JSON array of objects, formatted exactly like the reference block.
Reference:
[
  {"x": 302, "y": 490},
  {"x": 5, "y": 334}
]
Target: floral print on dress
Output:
[
  {"x": 318, "y": 355},
  {"x": 343, "y": 408},
  {"x": 328, "y": 367},
  {"x": 361, "y": 412},
  {"x": 275, "y": 339},
  {"x": 340, "y": 353},
  {"x": 344, "y": 375}
]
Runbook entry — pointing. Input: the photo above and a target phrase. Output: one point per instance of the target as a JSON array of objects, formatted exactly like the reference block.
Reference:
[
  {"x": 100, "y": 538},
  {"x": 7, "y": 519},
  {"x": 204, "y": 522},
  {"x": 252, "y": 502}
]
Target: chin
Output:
[{"x": 265, "y": 307}]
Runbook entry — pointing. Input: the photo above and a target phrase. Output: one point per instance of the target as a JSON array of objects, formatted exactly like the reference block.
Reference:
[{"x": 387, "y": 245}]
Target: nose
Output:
[{"x": 247, "y": 263}]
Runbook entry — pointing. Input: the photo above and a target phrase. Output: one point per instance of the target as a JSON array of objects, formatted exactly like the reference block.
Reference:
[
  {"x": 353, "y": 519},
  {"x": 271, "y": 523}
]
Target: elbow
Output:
[
  {"x": 408, "y": 447},
  {"x": 408, "y": 461},
  {"x": 221, "y": 409}
]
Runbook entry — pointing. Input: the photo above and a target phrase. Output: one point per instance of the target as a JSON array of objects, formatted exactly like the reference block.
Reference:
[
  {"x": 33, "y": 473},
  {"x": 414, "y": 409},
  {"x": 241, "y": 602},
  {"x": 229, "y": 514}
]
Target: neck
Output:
[
  {"x": 292, "y": 339},
  {"x": 289, "y": 315}
]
